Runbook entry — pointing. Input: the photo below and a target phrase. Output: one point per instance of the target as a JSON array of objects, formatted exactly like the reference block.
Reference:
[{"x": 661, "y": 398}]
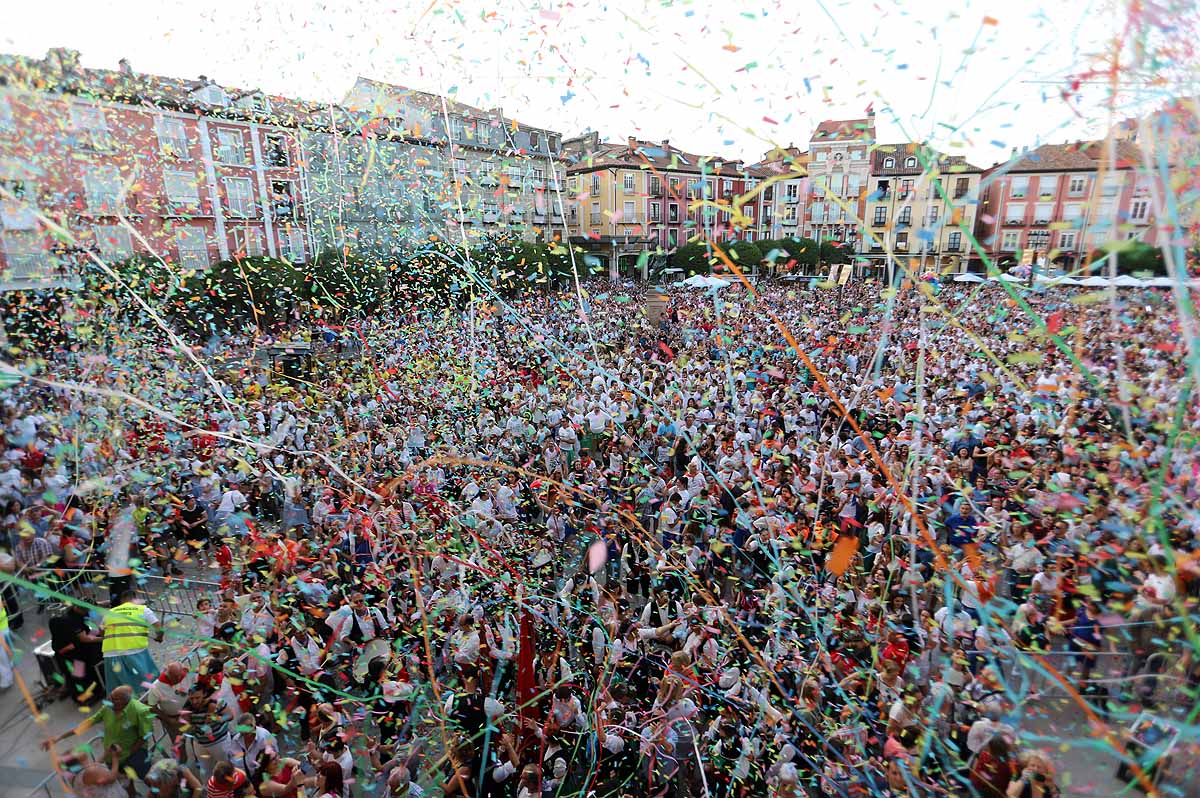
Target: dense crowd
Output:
[{"x": 557, "y": 549}]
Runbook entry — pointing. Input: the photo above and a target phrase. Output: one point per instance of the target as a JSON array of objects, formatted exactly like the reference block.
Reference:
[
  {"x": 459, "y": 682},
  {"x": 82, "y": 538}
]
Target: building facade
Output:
[
  {"x": 784, "y": 200},
  {"x": 192, "y": 172},
  {"x": 651, "y": 197},
  {"x": 839, "y": 168},
  {"x": 1054, "y": 204},
  {"x": 921, "y": 205},
  {"x": 185, "y": 171}
]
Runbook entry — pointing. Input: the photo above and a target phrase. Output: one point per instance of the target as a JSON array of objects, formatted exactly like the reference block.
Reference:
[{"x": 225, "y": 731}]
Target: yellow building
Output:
[{"x": 923, "y": 205}]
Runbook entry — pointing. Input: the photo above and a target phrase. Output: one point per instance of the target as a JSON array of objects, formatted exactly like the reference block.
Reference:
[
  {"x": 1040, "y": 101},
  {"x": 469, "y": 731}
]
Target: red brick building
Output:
[
  {"x": 1054, "y": 201},
  {"x": 186, "y": 171}
]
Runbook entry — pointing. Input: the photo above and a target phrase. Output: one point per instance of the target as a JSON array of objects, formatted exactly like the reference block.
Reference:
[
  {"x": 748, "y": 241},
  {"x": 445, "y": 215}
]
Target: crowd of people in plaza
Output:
[{"x": 795, "y": 542}]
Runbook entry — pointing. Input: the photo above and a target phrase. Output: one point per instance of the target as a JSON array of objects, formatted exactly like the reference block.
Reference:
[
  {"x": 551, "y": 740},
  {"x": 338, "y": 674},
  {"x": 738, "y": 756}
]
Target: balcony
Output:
[
  {"x": 1040, "y": 222},
  {"x": 1018, "y": 221},
  {"x": 904, "y": 222},
  {"x": 901, "y": 246},
  {"x": 790, "y": 200},
  {"x": 539, "y": 216},
  {"x": 959, "y": 193},
  {"x": 491, "y": 217},
  {"x": 952, "y": 248},
  {"x": 556, "y": 214},
  {"x": 488, "y": 179},
  {"x": 1017, "y": 194},
  {"x": 879, "y": 223}
]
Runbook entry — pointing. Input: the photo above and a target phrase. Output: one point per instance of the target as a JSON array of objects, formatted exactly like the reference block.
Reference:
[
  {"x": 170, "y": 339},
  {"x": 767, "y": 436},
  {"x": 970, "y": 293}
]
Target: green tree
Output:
[
  {"x": 745, "y": 255},
  {"x": 345, "y": 285},
  {"x": 832, "y": 252},
  {"x": 692, "y": 259},
  {"x": 255, "y": 290}
]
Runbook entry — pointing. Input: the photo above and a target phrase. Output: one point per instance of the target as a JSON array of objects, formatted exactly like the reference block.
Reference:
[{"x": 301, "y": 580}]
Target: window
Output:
[
  {"x": 553, "y": 143},
  {"x": 1019, "y": 187},
  {"x": 1010, "y": 240},
  {"x": 247, "y": 241},
  {"x": 595, "y": 184},
  {"x": 193, "y": 247},
  {"x": 821, "y": 156},
  {"x": 539, "y": 174},
  {"x": 231, "y": 147},
  {"x": 113, "y": 241},
  {"x": 672, "y": 238},
  {"x": 1072, "y": 212},
  {"x": 901, "y": 241},
  {"x": 291, "y": 245},
  {"x": 856, "y": 155},
  {"x": 1066, "y": 241},
  {"x": 7, "y": 123},
  {"x": 906, "y": 188},
  {"x": 489, "y": 167},
  {"x": 655, "y": 187},
  {"x": 1077, "y": 185},
  {"x": 181, "y": 187},
  {"x": 961, "y": 186},
  {"x": 628, "y": 214},
  {"x": 954, "y": 241},
  {"x": 172, "y": 138},
  {"x": 460, "y": 166},
  {"x": 1042, "y": 212},
  {"x": 283, "y": 204},
  {"x": 1138, "y": 210},
  {"x": 595, "y": 213},
  {"x": 881, "y": 213},
  {"x": 514, "y": 177},
  {"x": 655, "y": 211},
  {"x": 16, "y": 214},
  {"x": 791, "y": 192},
  {"x": 277, "y": 151},
  {"x": 910, "y": 162},
  {"x": 889, "y": 163},
  {"x": 239, "y": 195},
  {"x": 1112, "y": 185},
  {"x": 905, "y": 217},
  {"x": 628, "y": 180},
  {"x": 212, "y": 94},
  {"x": 25, "y": 253},
  {"x": 88, "y": 121},
  {"x": 672, "y": 212},
  {"x": 104, "y": 190},
  {"x": 934, "y": 211},
  {"x": 1015, "y": 214},
  {"x": 853, "y": 185},
  {"x": 726, "y": 186},
  {"x": 533, "y": 139}
]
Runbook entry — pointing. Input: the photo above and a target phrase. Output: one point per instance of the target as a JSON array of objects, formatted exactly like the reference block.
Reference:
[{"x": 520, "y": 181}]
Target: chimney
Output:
[
  {"x": 64, "y": 59},
  {"x": 1014, "y": 152},
  {"x": 632, "y": 142},
  {"x": 666, "y": 144},
  {"x": 123, "y": 67},
  {"x": 204, "y": 80}
]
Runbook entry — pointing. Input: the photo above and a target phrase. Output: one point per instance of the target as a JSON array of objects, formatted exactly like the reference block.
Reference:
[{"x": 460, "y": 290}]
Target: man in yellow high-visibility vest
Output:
[
  {"x": 126, "y": 647},
  {"x": 6, "y": 650}
]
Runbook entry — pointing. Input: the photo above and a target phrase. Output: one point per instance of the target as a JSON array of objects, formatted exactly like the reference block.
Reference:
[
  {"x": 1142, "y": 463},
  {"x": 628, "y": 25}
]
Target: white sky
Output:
[{"x": 661, "y": 69}]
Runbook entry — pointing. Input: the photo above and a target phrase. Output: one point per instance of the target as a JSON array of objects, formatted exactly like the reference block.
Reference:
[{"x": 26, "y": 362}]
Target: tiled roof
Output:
[
  {"x": 947, "y": 164},
  {"x": 660, "y": 156},
  {"x": 1077, "y": 156},
  {"x": 845, "y": 130}
]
